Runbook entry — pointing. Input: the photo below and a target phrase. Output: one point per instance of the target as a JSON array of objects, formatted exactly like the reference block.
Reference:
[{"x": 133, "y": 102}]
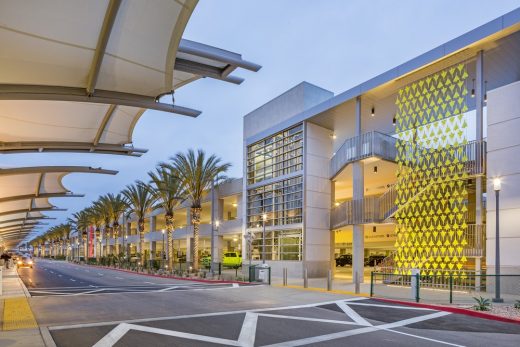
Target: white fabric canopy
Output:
[
  {"x": 77, "y": 75},
  {"x": 25, "y": 193}
]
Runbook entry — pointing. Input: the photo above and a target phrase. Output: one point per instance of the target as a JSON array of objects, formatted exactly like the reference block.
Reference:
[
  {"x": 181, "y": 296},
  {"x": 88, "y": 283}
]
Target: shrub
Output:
[
  {"x": 517, "y": 304},
  {"x": 482, "y": 304}
]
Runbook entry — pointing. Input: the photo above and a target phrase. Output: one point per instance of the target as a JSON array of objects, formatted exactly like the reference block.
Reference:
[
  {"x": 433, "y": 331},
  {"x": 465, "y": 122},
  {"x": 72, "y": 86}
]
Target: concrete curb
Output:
[
  {"x": 172, "y": 277},
  {"x": 457, "y": 310},
  {"x": 323, "y": 290},
  {"x": 47, "y": 338},
  {"x": 24, "y": 288}
]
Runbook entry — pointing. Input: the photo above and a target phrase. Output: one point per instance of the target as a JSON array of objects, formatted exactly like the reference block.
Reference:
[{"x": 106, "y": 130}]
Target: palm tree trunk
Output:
[
  {"x": 140, "y": 226},
  {"x": 195, "y": 220},
  {"x": 107, "y": 239},
  {"x": 170, "y": 229},
  {"x": 116, "y": 238}
]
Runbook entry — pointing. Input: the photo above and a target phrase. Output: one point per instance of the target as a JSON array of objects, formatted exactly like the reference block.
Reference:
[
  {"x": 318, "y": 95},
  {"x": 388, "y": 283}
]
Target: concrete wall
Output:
[
  {"x": 297, "y": 99},
  {"x": 317, "y": 201},
  {"x": 503, "y": 122}
]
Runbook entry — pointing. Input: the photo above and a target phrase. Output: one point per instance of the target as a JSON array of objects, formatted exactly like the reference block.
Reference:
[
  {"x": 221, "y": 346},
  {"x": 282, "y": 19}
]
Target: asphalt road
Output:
[
  {"x": 350, "y": 322},
  {"x": 49, "y": 277},
  {"x": 141, "y": 311}
]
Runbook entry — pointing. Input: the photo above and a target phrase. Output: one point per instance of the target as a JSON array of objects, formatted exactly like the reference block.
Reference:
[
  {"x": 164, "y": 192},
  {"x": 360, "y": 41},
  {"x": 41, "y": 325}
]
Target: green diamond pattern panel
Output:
[{"x": 431, "y": 177}]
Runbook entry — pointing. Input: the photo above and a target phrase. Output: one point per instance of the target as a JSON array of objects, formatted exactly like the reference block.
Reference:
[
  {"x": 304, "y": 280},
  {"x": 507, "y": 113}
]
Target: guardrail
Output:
[
  {"x": 450, "y": 287},
  {"x": 371, "y": 144}
]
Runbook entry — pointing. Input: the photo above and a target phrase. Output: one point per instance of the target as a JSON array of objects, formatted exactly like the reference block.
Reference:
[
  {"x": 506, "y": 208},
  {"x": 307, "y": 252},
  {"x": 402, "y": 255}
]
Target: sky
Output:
[{"x": 335, "y": 44}]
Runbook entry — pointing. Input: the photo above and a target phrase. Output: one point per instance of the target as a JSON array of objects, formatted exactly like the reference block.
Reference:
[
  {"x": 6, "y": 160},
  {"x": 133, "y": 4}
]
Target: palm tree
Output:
[
  {"x": 168, "y": 191},
  {"x": 196, "y": 172},
  {"x": 140, "y": 201},
  {"x": 117, "y": 209},
  {"x": 103, "y": 208},
  {"x": 80, "y": 221},
  {"x": 96, "y": 220}
]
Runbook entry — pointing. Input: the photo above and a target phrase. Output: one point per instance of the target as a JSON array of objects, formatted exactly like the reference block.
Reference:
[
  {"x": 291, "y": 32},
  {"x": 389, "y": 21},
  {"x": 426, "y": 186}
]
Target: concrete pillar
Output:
[
  {"x": 478, "y": 269},
  {"x": 153, "y": 223},
  {"x": 479, "y": 108},
  {"x": 332, "y": 232},
  {"x": 358, "y": 241}
]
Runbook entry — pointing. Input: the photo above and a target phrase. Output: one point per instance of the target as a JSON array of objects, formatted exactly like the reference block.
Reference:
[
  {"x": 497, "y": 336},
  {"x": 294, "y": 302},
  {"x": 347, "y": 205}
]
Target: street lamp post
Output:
[
  {"x": 496, "y": 188},
  {"x": 264, "y": 219}
]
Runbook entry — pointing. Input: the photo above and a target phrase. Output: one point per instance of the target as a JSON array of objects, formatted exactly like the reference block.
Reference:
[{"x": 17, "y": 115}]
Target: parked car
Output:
[
  {"x": 344, "y": 259},
  {"x": 24, "y": 262},
  {"x": 232, "y": 259},
  {"x": 374, "y": 260}
]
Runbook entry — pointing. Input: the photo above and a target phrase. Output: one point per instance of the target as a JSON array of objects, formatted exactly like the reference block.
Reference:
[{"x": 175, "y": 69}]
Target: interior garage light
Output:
[{"x": 373, "y": 111}]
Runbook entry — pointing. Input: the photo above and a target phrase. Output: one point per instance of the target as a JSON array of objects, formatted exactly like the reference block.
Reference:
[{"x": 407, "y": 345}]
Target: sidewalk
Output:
[
  {"x": 17, "y": 322},
  {"x": 427, "y": 295}
]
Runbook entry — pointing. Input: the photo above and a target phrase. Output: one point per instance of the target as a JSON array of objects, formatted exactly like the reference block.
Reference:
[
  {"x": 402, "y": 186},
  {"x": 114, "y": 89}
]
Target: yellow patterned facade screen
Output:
[{"x": 431, "y": 180}]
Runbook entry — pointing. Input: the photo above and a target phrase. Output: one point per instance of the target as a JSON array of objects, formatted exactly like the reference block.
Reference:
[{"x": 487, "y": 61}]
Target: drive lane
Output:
[{"x": 49, "y": 277}]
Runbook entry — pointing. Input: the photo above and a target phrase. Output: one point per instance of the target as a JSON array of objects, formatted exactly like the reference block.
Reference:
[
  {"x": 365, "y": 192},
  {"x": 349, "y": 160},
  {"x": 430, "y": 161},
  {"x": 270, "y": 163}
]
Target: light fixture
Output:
[
  {"x": 235, "y": 204},
  {"x": 217, "y": 223},
  {"x": 375, "y": 169},
  {"x": 373, "y": 111},
  {"x": 264, "y": 217},
  {"x": 162, "y": 231},
  {"x": 393, "y": 121},
  {"x": 497, "y": 184},
  {"x": 334, "y": 136},
  {"x": 473, "y": 89},
  {"x": 336, "y": 203},
  {"x": 235, "y": 239}
]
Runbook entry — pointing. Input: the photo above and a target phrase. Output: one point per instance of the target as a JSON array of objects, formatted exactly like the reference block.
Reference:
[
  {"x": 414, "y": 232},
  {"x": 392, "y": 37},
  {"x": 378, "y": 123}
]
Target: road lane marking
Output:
[
  {"x": 117, "y": 333},
  {"x": 73, "y": 280},
  {"x": 119, "y": 278},
  {"x": 167, "y": 288},
  {"x": 196, "y": 315},
  {"x": 343, "y": 334},
  {"x": 353, "y": 314}
]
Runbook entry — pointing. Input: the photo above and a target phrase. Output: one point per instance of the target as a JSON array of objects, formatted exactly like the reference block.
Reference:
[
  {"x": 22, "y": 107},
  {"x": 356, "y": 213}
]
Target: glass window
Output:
[
  {"x": 279, "y": 245},
  {"x": 277, "y": 155},
  {"x": 281, "y": 201}
]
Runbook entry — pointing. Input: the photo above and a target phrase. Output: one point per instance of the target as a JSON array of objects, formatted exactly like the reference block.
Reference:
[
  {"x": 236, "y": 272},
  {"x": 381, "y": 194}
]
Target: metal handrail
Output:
[{"x": 361, "y": 147}]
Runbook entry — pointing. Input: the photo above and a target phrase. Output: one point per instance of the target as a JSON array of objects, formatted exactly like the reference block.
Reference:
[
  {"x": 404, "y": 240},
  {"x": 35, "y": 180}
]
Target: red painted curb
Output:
[
  {"x": 172, "y": 277},
  {"x": 458, "y": 310}
]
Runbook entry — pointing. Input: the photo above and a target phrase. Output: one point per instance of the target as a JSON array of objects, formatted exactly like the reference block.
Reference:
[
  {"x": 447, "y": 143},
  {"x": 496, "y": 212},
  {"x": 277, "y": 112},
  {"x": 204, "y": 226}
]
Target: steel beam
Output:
[
  {"x": 104, "y": 35},
  {"x": 213, "y": 53},
  {"x": 36, "y": 209},
  {"x": 65, "y": 169},
  {"x": 23, "y": 219},
  {"x": 57, "y": 93},
  {"x": 41, "y": 196},
  {"x": 55, "y": 146},
  {"x": 206, "y": 71}
]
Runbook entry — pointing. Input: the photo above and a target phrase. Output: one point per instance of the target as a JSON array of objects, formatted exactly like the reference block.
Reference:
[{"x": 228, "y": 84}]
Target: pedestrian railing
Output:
[
  {"x": 453, "y": 287},
  {"x": 371, "y": 144}
]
